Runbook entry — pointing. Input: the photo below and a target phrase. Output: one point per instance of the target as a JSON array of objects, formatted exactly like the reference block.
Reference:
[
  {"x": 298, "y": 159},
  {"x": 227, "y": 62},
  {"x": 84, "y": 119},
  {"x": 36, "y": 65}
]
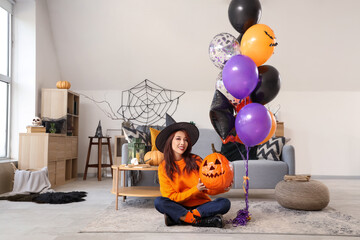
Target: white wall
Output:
[
  {"x": 124, "y": 42},
  {"x": 47, "y": 70},
  {"x": 323, "y": 126},
  {"x": 190, "y": 108},
  {"x": 316, "y": 56},
  {"x": 23, "y": 87},
  {"x": 35, "y": 65},
  {"x": 120, "y": 43},
  {"x": 106, "y": 48},
  {"x": 90, "y": 115}
]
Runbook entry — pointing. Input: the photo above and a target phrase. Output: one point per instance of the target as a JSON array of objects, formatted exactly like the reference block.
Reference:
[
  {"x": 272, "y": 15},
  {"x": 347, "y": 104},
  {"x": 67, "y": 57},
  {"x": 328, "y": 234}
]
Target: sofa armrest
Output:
[
  {"x": 124, "y": 153},
  {"x": 288, "y": 156}
]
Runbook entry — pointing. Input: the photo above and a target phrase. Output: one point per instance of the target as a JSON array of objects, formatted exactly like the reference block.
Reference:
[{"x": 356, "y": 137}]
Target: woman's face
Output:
[{"x": 179, "y": 143}]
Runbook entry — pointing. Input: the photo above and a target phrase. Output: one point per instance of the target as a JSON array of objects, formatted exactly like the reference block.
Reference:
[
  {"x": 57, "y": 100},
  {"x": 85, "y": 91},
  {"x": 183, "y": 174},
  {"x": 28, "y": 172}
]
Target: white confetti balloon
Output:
[{"x": 222, "y": 48}]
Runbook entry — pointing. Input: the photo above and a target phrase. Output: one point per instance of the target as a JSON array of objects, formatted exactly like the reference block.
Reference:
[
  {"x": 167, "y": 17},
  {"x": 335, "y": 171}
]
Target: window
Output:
[
  {"x": 5, "y": 75},
  {"x": 4, "y": 119}
]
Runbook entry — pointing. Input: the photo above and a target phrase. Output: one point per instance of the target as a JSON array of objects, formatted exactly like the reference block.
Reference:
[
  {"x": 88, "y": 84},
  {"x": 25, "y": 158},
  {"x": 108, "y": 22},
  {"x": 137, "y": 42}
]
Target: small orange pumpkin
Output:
[
  {"x": 154, "y": 158},
  {"x": 63, "y": 85},
  {"x": 216, "y": 173}
]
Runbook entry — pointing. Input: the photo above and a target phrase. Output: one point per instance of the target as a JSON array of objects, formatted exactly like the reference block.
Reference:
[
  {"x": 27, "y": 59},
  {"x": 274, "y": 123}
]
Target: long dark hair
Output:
[{"x": 169, "y": 158}]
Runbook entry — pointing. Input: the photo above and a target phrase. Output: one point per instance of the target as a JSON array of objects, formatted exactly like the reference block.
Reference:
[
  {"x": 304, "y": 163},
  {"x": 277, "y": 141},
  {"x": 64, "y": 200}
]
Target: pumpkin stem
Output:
[{"x": 213, "y": 148}]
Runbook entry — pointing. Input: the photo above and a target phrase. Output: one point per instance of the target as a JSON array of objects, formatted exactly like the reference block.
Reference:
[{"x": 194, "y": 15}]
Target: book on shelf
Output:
[{"x": 35, "y": 129}]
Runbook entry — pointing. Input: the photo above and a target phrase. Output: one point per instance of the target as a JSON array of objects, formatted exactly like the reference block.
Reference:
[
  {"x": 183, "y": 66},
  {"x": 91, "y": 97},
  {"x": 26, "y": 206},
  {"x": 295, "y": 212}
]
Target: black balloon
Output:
[
  {"x": 244, "y": 13},
  {"x": 268, "y": 86},
  {"x": 222, "y": 115},
  {"x": 240, "y": 37}
]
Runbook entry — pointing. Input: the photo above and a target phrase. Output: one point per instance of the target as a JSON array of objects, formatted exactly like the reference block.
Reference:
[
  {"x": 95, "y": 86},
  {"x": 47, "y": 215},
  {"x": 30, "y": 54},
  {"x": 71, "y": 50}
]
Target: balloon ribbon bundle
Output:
[{"x": 243, "y": 215}]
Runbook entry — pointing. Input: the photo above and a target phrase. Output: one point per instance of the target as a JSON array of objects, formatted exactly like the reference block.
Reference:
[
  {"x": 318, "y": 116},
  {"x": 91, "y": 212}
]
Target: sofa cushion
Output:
[
  {"x": 271, "y": 150},
  {"x": 131, "y": 133},
  {"x": 154, "y": 133},
  {"x": 146, "y": 128},
  {"x": 236, "y": 151},
  {"x": 142, "y": 131}
]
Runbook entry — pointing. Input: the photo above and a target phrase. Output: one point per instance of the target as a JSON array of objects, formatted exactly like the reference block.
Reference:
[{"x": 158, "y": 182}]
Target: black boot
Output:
[
  {"x": 215, "y": 221},
  {"x": 169, "y": 221}
]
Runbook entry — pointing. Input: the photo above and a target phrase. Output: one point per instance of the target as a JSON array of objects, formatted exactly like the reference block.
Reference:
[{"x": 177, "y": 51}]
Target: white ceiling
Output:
[{"x": 113, "y": 44}]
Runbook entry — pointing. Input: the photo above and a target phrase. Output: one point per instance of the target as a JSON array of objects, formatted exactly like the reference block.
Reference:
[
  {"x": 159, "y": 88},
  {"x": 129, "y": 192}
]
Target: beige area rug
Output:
[{"x": 268, "y": 217}]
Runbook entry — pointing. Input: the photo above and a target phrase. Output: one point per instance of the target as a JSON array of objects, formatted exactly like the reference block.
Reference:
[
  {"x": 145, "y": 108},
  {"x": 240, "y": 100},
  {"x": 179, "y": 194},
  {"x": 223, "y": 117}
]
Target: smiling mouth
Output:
[{"x": 213, "y": 175}]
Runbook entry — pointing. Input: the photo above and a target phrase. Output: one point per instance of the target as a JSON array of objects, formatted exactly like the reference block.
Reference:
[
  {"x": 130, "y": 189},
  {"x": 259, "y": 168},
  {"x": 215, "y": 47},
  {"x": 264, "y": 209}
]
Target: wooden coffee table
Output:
[{"x": 134, "y": 191}]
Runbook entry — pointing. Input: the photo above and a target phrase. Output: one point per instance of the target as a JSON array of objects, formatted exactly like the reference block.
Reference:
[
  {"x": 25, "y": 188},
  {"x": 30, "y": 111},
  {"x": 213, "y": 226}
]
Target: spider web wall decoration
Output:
[{"x": 147, "y": 103}]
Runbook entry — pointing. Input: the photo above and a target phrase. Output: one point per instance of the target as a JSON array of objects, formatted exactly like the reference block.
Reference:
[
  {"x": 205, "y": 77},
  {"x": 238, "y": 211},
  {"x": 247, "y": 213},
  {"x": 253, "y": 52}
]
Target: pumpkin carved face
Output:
[{"x": 216, "y": 173}]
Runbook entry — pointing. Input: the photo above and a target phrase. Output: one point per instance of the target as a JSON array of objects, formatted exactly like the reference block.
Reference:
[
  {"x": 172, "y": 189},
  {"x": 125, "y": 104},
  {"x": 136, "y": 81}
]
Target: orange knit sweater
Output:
[{"x": 182, "y": 188}]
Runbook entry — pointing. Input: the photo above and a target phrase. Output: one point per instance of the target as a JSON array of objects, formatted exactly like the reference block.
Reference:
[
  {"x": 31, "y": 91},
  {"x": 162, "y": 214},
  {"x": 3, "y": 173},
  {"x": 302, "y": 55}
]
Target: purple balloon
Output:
[
  {"x": 240, "y": 76},
  {"x": 253, "y": 124}
]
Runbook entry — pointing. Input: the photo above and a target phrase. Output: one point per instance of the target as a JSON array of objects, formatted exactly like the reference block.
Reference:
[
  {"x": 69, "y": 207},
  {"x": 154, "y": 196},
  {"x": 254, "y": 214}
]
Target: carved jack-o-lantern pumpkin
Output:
[{"x": 216, "y": 173}]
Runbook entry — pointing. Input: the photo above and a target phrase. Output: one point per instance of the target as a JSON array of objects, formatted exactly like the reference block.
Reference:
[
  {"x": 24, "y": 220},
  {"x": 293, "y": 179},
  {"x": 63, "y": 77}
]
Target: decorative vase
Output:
[{"x": 136, "y": 150}]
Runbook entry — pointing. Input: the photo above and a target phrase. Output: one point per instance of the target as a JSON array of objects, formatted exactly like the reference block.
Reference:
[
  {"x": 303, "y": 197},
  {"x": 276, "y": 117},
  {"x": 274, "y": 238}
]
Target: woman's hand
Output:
[
  {"x": 201, "y": 187},
  {"x": 229, "y": 187}
]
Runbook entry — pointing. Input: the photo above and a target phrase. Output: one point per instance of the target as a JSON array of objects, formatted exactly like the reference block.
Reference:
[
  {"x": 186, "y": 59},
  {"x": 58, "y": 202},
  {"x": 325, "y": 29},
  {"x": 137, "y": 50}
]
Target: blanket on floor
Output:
[
  {"x": 48, "y": 197},
  {"x": 34, "y": 186},
  {"x": 26, "y": 182}
]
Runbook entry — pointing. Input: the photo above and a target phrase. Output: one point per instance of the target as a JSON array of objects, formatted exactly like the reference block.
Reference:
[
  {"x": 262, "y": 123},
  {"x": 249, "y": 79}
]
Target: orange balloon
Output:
[
  {"x": 258, "y": 43},
  {"x": 272, "y": 130}
]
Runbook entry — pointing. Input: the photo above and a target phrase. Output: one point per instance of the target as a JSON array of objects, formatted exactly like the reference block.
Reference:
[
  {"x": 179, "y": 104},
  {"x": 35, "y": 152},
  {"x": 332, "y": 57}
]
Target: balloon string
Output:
[
  {"x": 247, "y": 176},
  {"x": 243, "y": 215},
  {"x": 244, "y": 183},
  {"x": 242, "y": 156}
]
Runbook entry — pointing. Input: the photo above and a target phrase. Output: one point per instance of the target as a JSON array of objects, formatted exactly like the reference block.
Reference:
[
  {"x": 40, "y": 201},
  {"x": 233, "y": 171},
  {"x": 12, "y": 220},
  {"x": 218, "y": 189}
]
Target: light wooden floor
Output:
[{"x": 45, "y": 221}]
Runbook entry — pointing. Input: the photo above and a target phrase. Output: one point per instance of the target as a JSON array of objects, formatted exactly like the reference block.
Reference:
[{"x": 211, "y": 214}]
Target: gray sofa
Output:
[{"x": 263, "y": 174}]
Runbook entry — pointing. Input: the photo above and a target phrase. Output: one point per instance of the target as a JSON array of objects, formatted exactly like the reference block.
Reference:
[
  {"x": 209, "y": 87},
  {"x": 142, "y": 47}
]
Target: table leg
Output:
[
  {"x": 99, "y": 158},
  {"x": 110, "y": 155},
  {"x": 124, "y": 184},
  {"x": 87, "y": 159},
  {"x": 117, "y": 187}
]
